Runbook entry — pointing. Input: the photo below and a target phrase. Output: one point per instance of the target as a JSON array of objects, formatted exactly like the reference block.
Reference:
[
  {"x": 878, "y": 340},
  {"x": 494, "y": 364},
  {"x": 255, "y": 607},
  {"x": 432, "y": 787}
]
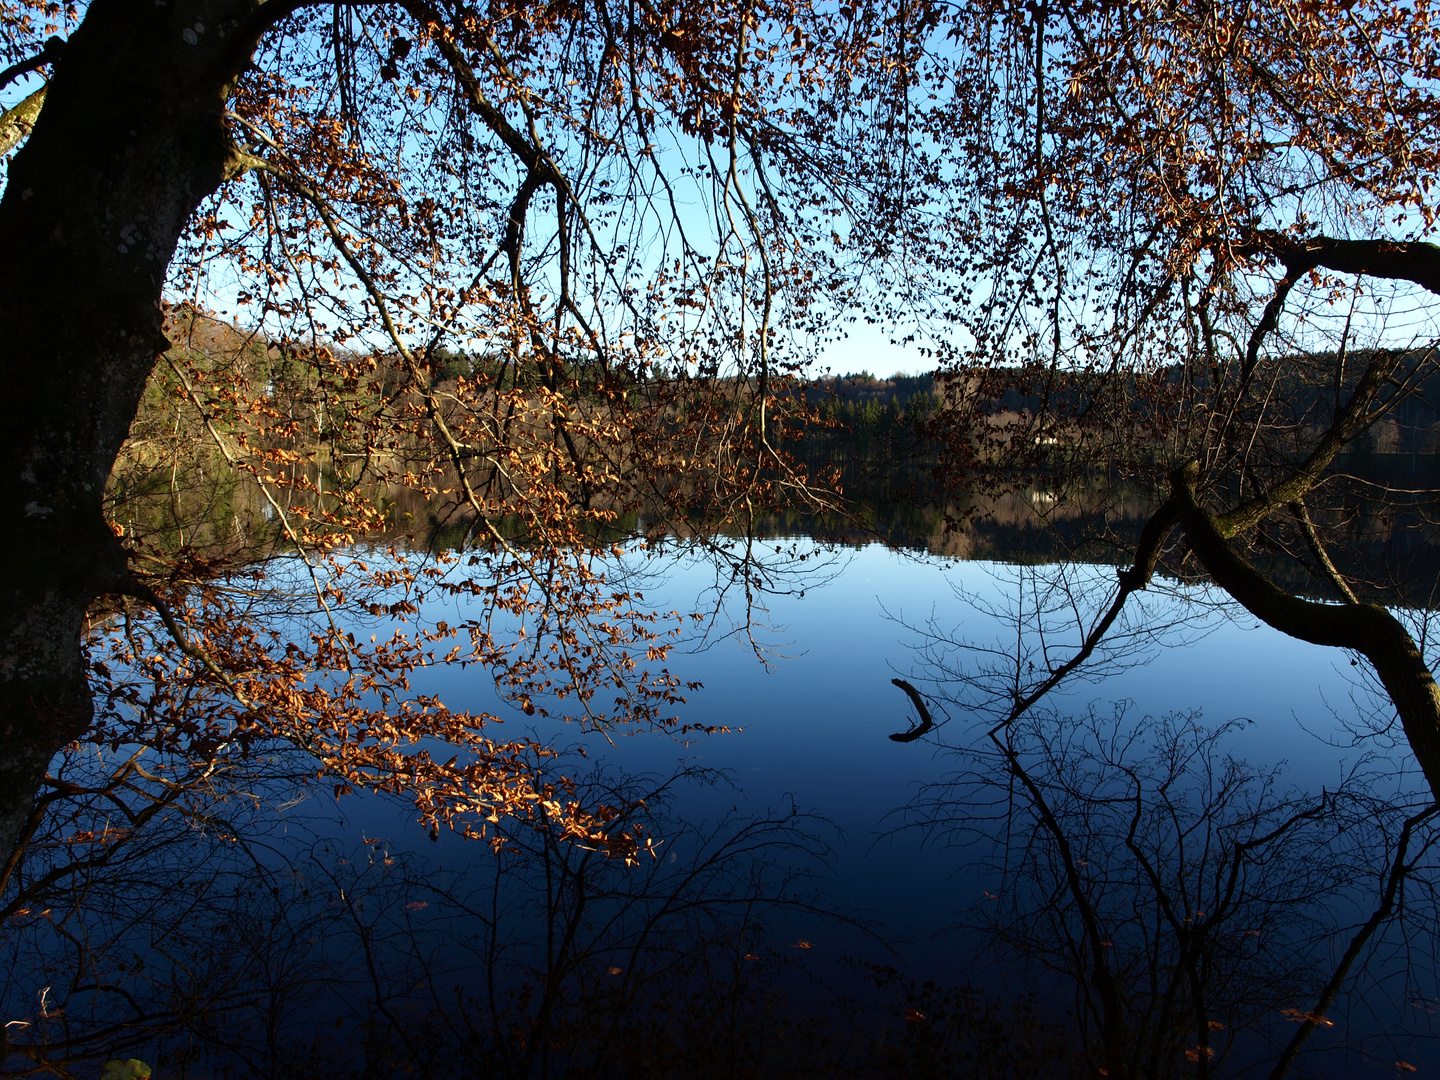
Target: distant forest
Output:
[{"x": 873, "y": 432}]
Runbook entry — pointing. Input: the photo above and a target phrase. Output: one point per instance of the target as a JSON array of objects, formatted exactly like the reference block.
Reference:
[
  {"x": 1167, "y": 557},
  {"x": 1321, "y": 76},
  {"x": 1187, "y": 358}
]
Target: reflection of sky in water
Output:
[{"x": 815, "y": 723}]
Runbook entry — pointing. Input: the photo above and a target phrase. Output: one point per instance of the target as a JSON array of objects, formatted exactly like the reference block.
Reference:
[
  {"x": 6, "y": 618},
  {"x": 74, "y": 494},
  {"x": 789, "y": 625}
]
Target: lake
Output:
[
  {"x": 804, "y": 680},
  {"x": 1219, "y": 800}
]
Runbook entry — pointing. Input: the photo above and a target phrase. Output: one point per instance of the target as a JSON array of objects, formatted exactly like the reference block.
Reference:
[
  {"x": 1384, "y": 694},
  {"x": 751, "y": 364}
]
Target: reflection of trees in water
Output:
[
  {"x": 146, "y": 901},
  {"x": 202, "y": 923},
  {"x": 1392, "y": 554},
  {"x": 1208, "y": 918},
  {"x": 222, "y": 934},
  {"x": 1174, "y": 888}
]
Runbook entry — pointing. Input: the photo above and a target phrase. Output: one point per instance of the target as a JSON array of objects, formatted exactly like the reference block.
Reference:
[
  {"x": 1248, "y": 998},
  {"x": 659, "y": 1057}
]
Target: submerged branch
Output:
[{"x": 926, "y": 721}]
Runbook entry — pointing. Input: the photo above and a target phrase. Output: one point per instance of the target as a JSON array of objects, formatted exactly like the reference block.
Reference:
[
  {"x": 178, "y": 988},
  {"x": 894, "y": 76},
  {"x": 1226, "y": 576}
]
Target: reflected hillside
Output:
[
  {"x": 243, "y": 477},
  {"x": 184, "y": 496}
]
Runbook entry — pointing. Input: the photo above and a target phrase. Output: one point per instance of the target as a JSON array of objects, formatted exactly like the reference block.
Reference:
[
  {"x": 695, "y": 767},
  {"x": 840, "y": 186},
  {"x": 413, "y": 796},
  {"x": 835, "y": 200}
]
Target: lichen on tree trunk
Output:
[{"x": 17, "y": 124}]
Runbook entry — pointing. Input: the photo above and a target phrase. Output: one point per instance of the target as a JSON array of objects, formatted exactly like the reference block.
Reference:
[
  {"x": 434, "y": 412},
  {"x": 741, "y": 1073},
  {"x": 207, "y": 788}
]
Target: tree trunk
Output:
[{"x": 131, "y": 138}]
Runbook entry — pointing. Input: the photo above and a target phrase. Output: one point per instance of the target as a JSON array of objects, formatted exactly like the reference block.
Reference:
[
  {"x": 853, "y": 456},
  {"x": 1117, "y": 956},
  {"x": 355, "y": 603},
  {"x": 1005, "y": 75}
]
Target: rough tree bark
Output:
[{"x": 131, "y": 138}]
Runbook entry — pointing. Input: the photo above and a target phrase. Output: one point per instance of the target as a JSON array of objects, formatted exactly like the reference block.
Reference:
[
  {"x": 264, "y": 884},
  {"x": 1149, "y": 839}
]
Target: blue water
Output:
[
  {"x": 804, "y": 682},
  {"x": 802, "y": 678}
]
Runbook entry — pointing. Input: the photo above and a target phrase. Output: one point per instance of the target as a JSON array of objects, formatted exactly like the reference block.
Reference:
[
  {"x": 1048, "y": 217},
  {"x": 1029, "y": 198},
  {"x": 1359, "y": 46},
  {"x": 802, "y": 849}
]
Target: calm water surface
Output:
[
  {"x": 801, "y": 675},
  {"x": 805, "y": 684}
]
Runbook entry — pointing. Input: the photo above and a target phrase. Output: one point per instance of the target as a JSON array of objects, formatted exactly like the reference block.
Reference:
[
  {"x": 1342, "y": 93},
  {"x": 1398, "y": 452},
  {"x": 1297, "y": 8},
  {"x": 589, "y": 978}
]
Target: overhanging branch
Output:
[
  {"x": 1394, "y": 260},
  {"x": 53, "y": 49},
  {"x": 1367, "y": 629},
  {"x": 1349, "y": 422}
]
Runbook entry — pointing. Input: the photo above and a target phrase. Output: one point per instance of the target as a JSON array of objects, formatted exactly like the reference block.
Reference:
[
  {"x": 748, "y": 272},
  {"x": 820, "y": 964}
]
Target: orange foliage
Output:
[{"x": 541, "y": 277}]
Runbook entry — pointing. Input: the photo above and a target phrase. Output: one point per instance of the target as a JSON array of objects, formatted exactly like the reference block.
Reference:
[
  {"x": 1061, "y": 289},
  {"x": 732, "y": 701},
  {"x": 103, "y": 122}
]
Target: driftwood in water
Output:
[{"x": 926, "y": 722}]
